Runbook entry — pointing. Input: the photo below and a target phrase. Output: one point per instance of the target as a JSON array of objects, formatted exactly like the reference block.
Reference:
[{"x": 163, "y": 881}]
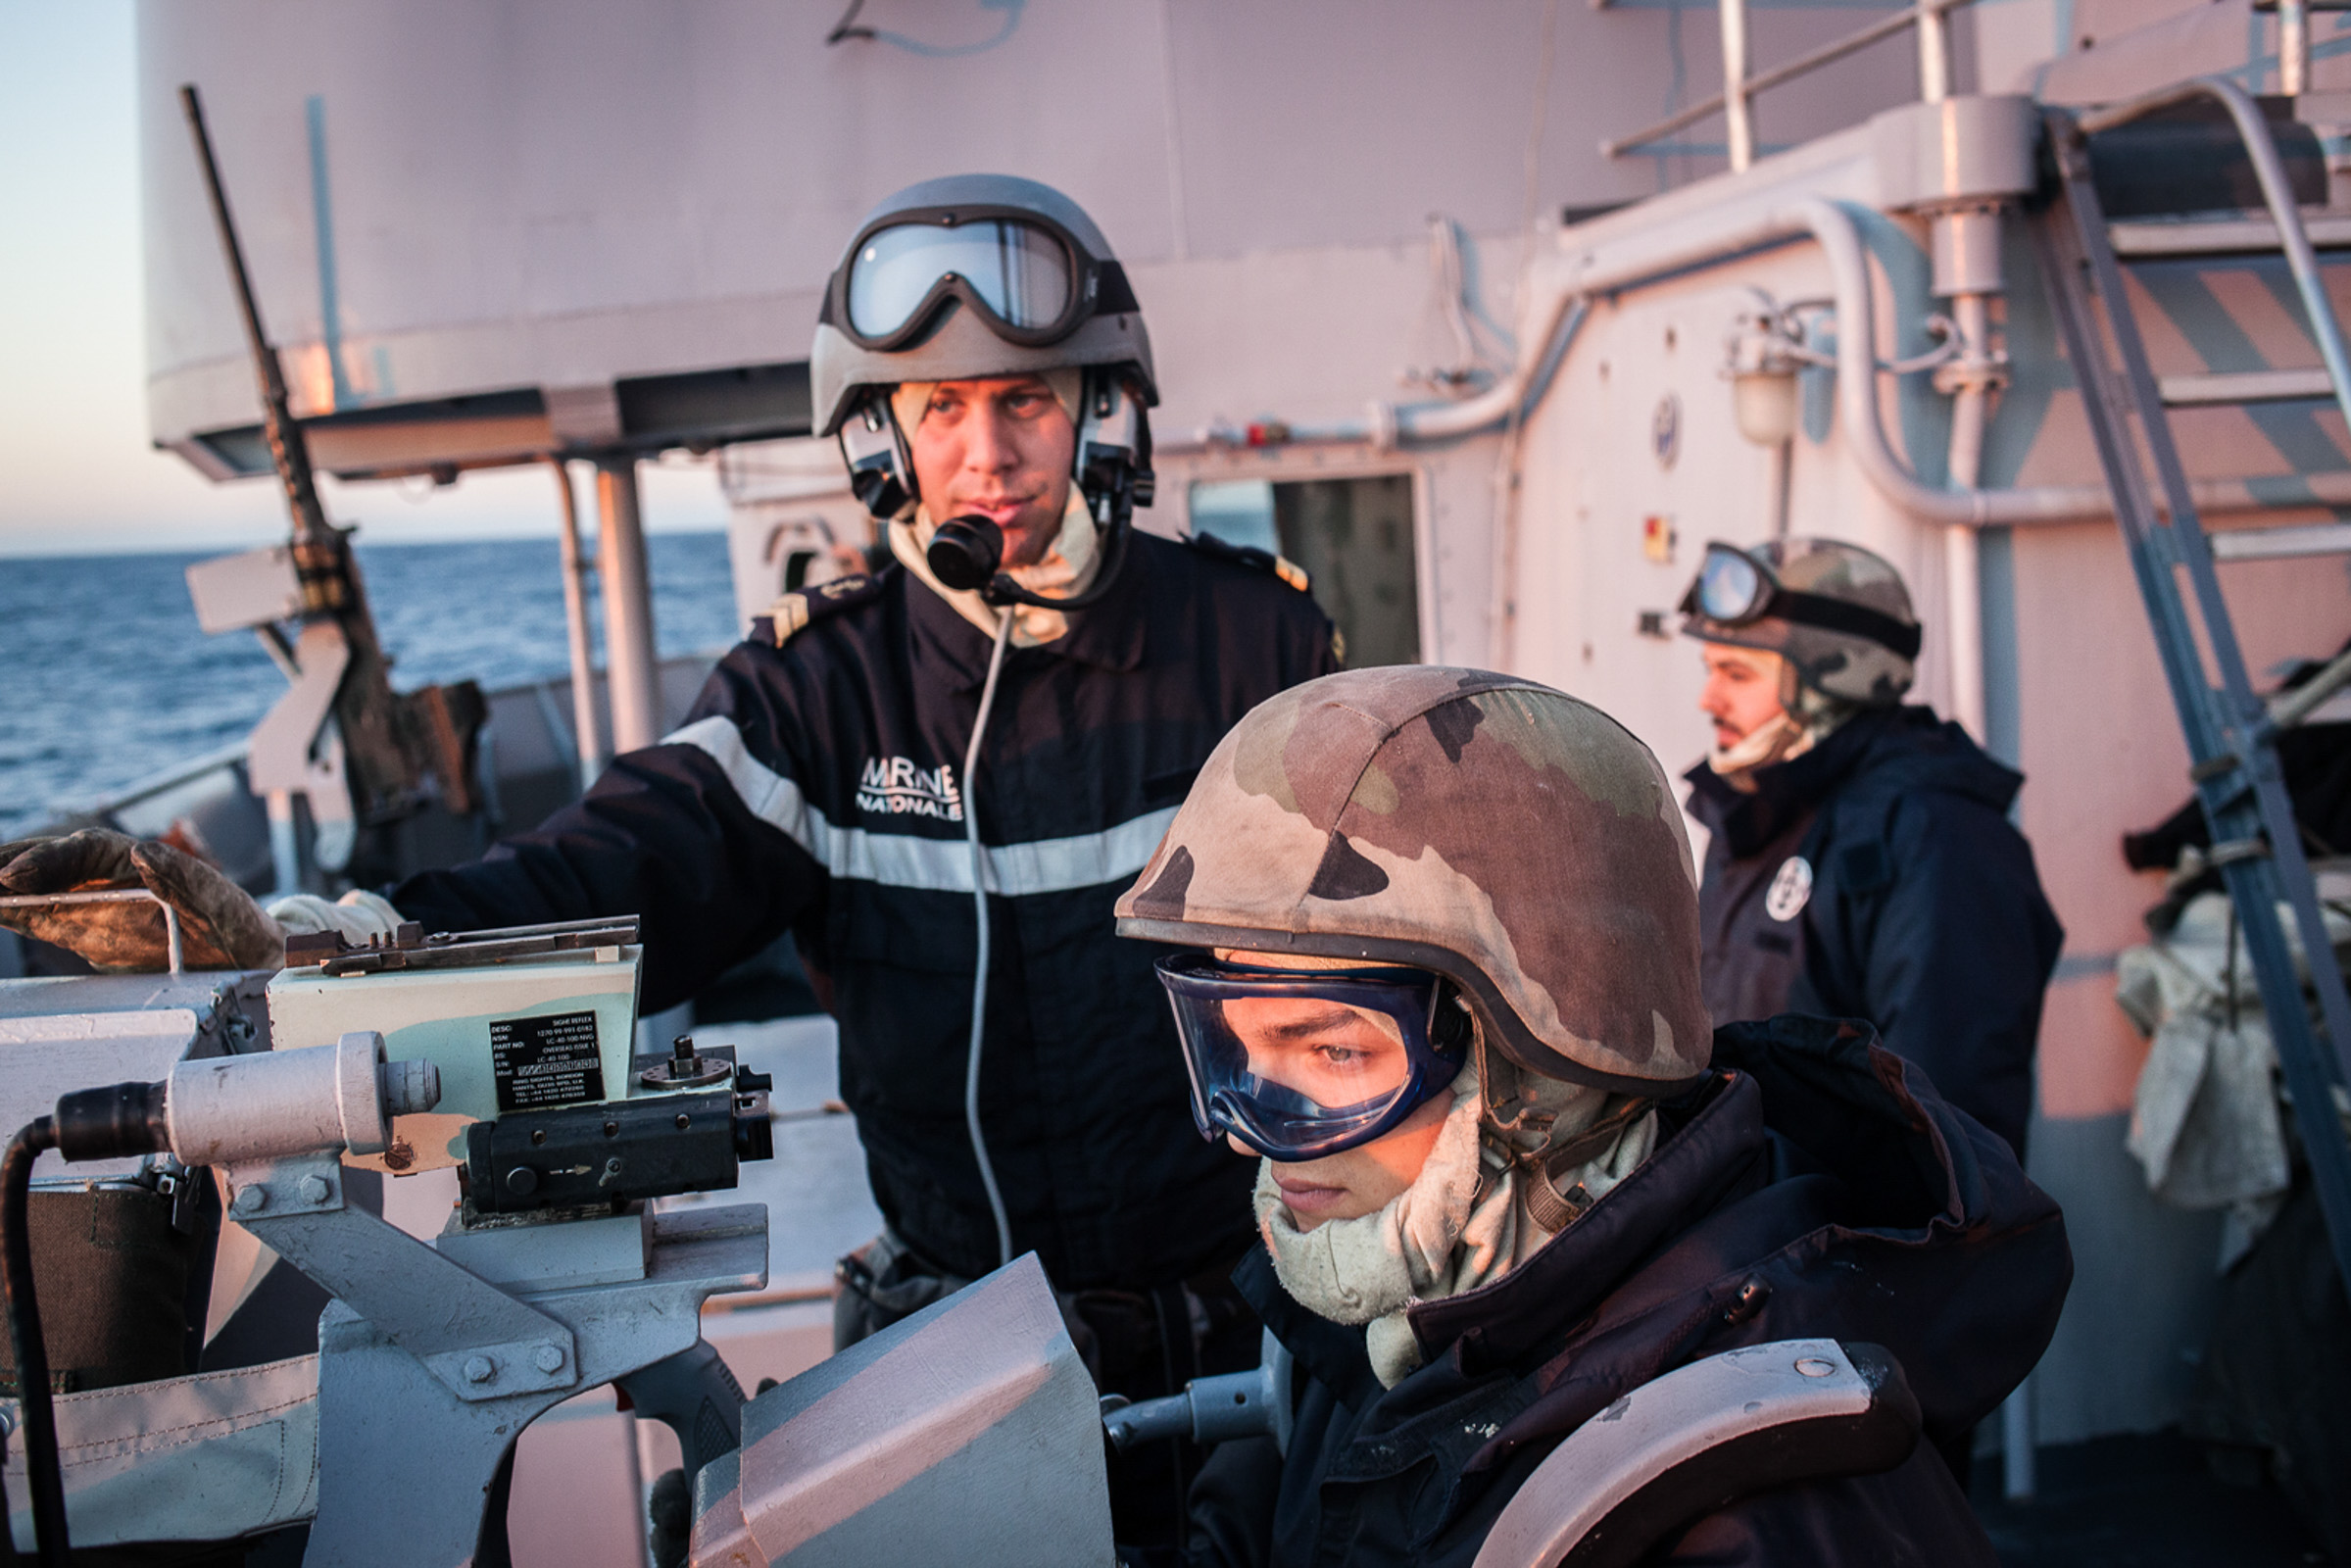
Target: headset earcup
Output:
[
  {"x": 881, "y": 468},
  {"x": 879, "y": 491}
]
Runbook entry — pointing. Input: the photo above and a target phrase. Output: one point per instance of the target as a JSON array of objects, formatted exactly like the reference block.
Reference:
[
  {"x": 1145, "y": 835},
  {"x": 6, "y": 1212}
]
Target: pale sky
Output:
[{"x": 77, "y": 475}]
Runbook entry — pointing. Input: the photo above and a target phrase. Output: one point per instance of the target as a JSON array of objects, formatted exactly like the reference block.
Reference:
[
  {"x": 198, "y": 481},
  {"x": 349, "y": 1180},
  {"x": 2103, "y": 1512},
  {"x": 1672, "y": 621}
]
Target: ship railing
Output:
[{"x": 1735, "y": 102}]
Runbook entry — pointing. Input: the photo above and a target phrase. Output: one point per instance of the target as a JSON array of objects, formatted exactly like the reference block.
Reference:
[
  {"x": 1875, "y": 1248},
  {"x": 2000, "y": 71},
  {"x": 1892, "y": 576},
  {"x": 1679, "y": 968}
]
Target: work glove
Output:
[
  {"x": 356, "y": 917},
  {"x": 221, "y": 927}
]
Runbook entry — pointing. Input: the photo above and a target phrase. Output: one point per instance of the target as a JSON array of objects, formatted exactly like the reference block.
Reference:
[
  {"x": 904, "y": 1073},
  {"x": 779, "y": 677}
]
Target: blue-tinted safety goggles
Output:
[{"x": 1301, "y": 1063}]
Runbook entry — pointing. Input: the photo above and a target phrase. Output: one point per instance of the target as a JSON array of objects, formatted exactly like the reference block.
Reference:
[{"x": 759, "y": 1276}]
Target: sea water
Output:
[{"x": 106, "y": 678}]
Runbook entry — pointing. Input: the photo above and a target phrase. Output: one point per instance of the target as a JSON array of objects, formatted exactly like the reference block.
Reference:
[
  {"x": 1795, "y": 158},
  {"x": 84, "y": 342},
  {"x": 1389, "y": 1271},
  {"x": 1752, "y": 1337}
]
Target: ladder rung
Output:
[
  {"x": 2279, "y": 543},
  {"x": 2244, "y": 386},
  {"x": 2221, "y": 237}
]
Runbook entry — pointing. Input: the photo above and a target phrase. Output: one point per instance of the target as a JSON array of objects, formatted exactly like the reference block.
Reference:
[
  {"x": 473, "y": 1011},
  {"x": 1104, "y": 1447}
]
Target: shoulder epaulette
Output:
[
  {"x": 794, "y": 613},
  {"x": 1282, "y": 566}
]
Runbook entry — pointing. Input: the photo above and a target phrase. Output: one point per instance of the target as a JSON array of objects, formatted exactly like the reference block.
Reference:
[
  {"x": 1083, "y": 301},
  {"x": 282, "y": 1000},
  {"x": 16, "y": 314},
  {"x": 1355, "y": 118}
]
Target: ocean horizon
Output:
[{"x": 114, "y": 681}]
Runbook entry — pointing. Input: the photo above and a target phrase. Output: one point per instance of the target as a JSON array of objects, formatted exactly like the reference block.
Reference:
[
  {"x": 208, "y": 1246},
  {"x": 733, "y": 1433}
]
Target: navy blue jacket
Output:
[
  {"x": 1817, "y": 1187},
  {"x": 813, "y": 788},
  {"x": 1924, "y": 916}
]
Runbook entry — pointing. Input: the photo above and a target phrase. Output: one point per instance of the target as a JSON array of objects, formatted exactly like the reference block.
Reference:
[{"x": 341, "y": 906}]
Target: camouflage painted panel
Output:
[{"x": 1501, "y": 821}]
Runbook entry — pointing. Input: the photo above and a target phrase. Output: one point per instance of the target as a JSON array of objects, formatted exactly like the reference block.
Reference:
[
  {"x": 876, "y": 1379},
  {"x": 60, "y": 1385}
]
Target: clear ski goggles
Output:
[
  {"x": 1024, "y": 275},
  {"x": 1735, "y": 589},
  {"x": 1301, "y": 1063}
]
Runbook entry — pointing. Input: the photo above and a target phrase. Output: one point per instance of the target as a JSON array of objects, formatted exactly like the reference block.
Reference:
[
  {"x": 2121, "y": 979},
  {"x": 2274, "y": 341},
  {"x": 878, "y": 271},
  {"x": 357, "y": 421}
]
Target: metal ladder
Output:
[{"x": 2232, "y": 732}]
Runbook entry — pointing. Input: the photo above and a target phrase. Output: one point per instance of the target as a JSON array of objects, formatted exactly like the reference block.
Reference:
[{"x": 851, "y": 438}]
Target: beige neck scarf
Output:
[
  {"x": 1067, "y": 569},
  {"x": 1805, "y": 720},
  {"x": 1459, "y": 1225},
  {"x": 1777, "y": 739}
]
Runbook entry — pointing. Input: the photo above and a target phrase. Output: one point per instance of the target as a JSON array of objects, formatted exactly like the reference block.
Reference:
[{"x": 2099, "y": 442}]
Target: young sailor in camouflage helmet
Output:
[{"x": 1439, "y": 970}]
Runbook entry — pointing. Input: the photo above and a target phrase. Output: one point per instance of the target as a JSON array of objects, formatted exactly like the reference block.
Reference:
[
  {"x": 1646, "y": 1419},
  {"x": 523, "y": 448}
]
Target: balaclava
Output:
[{"x": 1463, "y": 1222}]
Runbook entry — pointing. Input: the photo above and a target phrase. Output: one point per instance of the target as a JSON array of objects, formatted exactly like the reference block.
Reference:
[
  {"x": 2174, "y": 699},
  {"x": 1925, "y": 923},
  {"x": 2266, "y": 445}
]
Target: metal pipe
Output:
[
  {"x": 1963, "y": 582},
  {"x": 1737, "y": 118},
  {"x": 2293, "y": 47},
  {"x": 1857, "y": 398},
  {"x": 1527, "y": 385},
  {"x": 1834, "y": 230},
  {"x": 1934, "y": 55},
  {"x": 631, "y": 676},
  {"x": 1962, "y": 618},
  {"x": 1388, "y": 425},
  {"x": 584, "y": 726}
]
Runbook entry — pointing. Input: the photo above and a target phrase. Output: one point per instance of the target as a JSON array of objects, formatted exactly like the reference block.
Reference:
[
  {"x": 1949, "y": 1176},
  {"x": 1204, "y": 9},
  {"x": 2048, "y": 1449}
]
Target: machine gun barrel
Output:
[
  {"x": 382, "y": 763},
  {"x": 288, "y": 449}
]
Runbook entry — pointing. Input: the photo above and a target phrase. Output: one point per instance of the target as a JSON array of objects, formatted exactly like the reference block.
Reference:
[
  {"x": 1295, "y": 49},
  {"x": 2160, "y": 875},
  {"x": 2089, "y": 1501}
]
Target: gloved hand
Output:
[
  {"x": 221, "y": 927},
  {"x": 356, "y": 915}
]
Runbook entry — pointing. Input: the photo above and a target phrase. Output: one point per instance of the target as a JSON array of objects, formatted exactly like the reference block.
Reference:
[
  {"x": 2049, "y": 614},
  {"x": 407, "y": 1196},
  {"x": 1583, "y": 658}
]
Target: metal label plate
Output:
[{"x": 547, "y": 1060}]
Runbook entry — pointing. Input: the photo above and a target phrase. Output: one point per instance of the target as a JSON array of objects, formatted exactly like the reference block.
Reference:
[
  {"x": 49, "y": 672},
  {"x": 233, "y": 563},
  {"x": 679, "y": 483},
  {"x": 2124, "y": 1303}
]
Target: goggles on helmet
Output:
[
  {"x": 1299, "y": 1063},
  {"x": 1020, "y": 272},
  {"x": 1735, "y": 589}
]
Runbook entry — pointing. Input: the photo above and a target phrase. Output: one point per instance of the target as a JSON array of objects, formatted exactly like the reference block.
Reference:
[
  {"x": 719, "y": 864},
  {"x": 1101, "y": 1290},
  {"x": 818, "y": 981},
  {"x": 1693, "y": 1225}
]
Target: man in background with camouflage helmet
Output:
[
  {"x": 1443, "y": 977},
  {"x": 1862, "y": 864}
]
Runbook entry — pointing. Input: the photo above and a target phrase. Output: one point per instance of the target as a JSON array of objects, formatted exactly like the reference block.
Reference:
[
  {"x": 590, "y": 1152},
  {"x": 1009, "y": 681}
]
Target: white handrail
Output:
[{"x": 1739, "y": 119}]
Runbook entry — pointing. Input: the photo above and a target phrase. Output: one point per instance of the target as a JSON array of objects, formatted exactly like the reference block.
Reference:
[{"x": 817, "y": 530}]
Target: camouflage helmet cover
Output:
[
  {"x": 1492, "y": 829},
  {"x": 1842, "y": 664}
]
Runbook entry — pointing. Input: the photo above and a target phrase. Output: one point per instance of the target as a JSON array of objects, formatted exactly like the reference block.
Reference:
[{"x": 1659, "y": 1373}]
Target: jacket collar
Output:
[
  {"x": 1715, "y": 1153},
  {"x": 1108, "y": 636},
  {"x": 1332, "y": 1353}
]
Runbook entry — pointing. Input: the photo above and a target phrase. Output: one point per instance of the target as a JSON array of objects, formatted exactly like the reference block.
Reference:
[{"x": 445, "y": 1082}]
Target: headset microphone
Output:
[{"x": 965, "y": 552}]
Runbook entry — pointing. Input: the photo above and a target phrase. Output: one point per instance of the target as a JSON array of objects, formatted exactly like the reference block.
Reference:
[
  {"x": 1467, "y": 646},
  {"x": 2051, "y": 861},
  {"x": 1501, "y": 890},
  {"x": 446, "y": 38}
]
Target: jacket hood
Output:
[{"x": 1817, "y": 1186}]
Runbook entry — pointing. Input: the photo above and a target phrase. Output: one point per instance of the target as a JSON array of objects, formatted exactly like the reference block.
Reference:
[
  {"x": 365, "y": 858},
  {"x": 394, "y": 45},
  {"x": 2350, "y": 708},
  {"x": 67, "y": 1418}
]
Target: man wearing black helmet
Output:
[
  {"x": 1862, "y": 864},
  {"x": 1005, "y": 716}
]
